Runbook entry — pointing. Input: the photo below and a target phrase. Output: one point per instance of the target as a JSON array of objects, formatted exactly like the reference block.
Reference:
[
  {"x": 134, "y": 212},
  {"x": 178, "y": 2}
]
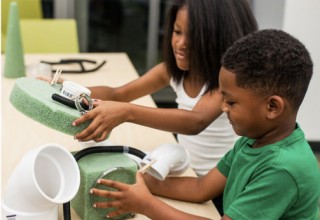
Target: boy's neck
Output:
[{"x": 277, "y": 133}]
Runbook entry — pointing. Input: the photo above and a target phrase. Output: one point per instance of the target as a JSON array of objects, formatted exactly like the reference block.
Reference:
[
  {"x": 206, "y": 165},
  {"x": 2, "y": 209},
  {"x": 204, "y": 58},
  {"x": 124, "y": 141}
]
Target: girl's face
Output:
[{"x": 179, "y": 39}]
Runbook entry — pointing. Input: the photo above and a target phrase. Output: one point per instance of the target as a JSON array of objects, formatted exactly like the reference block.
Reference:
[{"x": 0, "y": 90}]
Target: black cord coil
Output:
[{"x": 68, "y": 102}]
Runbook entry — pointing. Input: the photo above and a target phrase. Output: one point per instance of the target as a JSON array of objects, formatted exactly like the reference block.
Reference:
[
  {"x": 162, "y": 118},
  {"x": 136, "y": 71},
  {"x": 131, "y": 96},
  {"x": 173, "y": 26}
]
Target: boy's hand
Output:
[{"x": 128, "y": 198}]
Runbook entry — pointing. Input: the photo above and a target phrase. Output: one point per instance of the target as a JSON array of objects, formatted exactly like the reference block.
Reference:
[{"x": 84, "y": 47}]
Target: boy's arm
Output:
[
  {"x": 191, "y": 189},
  {"x": 138, "y": 198},
  {"x": 225, "y": 218}
]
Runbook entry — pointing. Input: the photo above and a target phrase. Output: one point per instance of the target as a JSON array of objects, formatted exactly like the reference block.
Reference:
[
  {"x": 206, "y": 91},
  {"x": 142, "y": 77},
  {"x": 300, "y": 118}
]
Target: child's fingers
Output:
[
  {"x": 102, "y": 137},
  {"x": 49, "y": 79},
  {"x": 105, "y": 193},
  {"x": 44, "y": 78},
  {"x": 89, "y": 115},
  {"x": 113, "y": 184}
]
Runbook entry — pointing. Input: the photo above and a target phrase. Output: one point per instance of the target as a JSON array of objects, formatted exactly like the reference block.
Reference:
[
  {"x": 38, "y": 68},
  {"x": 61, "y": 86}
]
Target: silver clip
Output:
[{"x": 78, "y": 101}]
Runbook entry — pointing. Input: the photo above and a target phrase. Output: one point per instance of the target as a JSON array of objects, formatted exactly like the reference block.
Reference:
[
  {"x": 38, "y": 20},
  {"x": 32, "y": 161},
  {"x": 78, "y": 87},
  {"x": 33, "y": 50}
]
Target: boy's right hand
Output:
[{"x": 127, "y": 198}]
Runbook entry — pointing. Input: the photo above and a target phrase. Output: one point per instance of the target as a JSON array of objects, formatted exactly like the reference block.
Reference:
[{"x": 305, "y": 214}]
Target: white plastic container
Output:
[
  {"x": 72, "y": 90},
  {"x": 171, "y": 159},
  {"x": 40, "y": 69}
]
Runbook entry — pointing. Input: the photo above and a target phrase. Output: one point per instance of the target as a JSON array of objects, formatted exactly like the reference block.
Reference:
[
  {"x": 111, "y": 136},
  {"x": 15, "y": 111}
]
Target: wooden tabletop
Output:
[{"x": 20, "y": 133}]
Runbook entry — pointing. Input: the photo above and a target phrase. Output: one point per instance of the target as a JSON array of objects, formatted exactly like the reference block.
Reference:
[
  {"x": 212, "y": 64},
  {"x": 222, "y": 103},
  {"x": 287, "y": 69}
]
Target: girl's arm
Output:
[
  {"x": 178, "y": 120},
  {"x": 152, "y": 81},
  {"x": 109, "y": 114}
]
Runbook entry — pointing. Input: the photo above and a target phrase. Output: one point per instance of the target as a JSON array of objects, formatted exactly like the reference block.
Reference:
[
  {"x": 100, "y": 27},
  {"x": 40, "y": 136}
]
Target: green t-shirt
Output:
[{"x": 277, "y": 181}]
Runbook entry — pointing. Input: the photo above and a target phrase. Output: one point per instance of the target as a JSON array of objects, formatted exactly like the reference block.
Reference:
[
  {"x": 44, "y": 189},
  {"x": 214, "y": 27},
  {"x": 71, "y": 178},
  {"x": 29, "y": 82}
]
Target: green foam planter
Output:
[
  {"x": 115, "y": 166},
  {"x": 14, "y": 60},
  {"x": 32, "y": 97}
]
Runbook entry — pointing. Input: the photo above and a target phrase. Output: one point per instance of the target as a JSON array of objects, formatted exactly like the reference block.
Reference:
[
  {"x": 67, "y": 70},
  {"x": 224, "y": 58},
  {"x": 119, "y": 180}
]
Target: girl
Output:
[{"x": 198, "y": 32}]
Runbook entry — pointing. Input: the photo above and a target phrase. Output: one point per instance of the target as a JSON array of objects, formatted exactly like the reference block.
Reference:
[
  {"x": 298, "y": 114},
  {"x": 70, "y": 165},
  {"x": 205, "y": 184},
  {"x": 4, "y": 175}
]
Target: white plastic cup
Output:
[
  {"x": 45, "y": 177},
  {"x": 40, "y": 69},
  {"x": 171, "y": 159},
  {"x": 73, "y": 90}
]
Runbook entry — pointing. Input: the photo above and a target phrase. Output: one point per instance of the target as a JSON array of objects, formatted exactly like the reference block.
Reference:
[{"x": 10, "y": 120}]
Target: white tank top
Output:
[{"x": 209, "y": 146}]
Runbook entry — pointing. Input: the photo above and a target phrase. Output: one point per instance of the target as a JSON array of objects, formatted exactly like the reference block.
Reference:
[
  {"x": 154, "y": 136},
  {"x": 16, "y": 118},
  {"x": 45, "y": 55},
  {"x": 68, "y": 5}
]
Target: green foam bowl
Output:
[{"x": 32, "y": 97}]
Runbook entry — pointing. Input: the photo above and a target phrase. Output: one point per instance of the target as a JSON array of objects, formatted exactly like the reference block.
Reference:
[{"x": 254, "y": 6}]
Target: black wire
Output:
[
  {"x": 100, "y": 149},
  {"x": 68, "y": 102},
  {"x": 80, "y": 62},
  {"x": 109, "y": 149}
]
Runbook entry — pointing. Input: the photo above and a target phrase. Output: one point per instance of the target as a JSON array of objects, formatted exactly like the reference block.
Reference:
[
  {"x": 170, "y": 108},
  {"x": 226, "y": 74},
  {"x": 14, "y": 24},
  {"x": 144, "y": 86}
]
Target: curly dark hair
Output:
[
  {"x": 213, "y": 26},
  {"x": 271, "y": 62}
]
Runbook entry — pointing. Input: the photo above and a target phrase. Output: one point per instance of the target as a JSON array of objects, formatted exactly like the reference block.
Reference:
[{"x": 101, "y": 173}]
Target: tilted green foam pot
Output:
[{"x": 32, "y": 97}]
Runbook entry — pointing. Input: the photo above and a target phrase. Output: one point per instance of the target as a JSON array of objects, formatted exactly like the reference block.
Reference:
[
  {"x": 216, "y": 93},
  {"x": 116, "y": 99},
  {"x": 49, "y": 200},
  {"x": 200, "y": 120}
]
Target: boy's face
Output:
[{"x": 245, "y": 110}]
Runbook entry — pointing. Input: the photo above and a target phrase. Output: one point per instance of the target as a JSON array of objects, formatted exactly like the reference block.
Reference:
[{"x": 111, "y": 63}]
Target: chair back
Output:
[
  {"x": 49, "y": 36},
  {"x": 27, "y": 9}
]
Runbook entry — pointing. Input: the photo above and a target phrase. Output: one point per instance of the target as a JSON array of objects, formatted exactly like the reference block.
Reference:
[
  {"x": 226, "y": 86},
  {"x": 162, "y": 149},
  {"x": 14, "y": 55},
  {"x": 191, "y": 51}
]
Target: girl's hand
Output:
[
  {"x": 105, "y": 116},
  {"x": 49, "y": 79},
  {"x": 128, "y": 198}
]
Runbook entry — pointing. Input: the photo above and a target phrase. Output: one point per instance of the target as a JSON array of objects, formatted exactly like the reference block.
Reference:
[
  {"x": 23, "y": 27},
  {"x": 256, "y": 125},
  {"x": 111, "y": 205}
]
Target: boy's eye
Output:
[{"x": 230, "y": 103}]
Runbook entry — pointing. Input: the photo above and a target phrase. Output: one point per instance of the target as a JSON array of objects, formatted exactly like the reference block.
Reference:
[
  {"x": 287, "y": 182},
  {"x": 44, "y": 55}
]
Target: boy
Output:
[{"x": 271, "y": 173}]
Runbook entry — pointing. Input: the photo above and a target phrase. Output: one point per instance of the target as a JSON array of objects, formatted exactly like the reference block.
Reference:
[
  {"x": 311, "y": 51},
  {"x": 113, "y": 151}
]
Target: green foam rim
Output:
[{"x": 32, "y": 97}]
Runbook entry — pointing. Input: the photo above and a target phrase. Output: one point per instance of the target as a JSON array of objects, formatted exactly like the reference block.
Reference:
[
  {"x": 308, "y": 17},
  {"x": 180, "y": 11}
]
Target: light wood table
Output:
[{"x": 20, "y": 133}]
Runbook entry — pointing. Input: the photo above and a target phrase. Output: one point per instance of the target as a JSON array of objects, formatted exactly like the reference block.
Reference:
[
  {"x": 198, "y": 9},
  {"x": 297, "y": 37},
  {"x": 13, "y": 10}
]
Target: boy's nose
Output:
[{"x": 224, "y": 107}]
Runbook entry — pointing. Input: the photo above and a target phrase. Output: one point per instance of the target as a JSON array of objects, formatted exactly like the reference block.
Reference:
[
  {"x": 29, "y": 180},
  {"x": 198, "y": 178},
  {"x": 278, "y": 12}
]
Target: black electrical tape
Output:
[{"x": 68, "y": 102}]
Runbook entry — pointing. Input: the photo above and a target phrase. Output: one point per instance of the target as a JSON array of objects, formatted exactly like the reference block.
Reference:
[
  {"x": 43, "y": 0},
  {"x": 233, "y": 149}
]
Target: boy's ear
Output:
[{"x": 275, "y": 106}]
